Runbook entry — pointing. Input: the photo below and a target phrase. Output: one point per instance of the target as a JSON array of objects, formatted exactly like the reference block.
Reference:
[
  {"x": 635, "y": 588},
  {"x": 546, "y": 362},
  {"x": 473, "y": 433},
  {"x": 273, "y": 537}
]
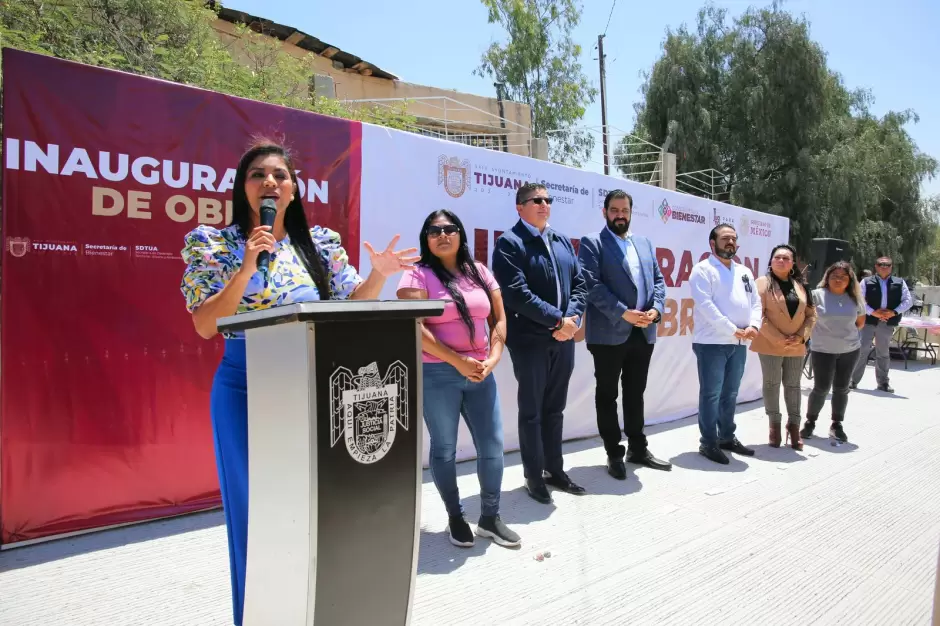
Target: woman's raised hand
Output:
[{"x": 390, "y": 261}]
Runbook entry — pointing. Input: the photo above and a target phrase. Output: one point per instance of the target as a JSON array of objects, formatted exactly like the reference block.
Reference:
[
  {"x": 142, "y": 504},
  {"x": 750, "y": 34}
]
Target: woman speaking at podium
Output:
[{"x": 222, "y": 278}]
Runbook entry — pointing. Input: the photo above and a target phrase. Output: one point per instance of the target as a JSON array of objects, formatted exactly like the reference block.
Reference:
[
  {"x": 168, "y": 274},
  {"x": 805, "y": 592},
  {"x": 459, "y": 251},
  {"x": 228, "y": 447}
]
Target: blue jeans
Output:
[
  {"x": 720, "y": 369},
  {"x": 447, "y": 396}
]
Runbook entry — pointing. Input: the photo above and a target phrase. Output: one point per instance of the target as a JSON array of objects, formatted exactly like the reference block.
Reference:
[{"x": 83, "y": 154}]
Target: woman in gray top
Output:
[{"x": 835, "y": 345}]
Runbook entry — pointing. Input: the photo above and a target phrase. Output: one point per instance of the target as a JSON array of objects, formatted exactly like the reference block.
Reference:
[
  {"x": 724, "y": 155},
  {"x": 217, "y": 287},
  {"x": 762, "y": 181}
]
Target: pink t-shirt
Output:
[{"x": 449, "y": 328}]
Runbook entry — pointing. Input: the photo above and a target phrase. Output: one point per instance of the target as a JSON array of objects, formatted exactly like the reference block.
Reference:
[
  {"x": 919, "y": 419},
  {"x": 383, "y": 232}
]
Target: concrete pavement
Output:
[{"x": 832, "y": 535}]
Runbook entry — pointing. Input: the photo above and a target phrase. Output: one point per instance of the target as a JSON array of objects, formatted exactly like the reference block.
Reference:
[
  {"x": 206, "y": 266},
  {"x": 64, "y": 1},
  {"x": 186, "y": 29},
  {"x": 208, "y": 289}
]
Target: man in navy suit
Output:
[
  {"x": 625, "y": 294},
  {"x": 543, "y": 292}
]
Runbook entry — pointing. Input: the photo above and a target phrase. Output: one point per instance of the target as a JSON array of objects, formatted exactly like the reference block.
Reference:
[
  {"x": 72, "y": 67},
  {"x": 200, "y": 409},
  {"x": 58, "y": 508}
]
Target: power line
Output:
[{"x": 610, "y": 16}]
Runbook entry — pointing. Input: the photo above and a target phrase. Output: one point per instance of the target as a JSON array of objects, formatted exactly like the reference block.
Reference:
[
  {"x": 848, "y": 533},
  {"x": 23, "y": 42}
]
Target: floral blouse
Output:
[{"x": 213, "y": 256}]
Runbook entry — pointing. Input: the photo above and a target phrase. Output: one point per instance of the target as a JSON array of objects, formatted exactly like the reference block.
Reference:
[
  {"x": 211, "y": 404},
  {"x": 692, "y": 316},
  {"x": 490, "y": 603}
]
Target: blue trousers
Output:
[
  {"x": 543, "y": 372},
  {"x": 229, "y": 410},
  {"x": 447, "y": 396},
  {"x": 720, "y": 370}
]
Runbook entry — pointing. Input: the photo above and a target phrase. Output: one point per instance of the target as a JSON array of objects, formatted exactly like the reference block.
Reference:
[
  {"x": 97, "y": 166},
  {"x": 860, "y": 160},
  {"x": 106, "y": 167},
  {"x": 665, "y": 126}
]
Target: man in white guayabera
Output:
[{"x": 727, "y": 314}]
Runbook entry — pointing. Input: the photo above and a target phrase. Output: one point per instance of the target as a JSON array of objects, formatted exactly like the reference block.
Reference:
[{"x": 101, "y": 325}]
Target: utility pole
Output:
[
  {"x": 502, "y": 116},
  {"x": 600, "y": 56}
]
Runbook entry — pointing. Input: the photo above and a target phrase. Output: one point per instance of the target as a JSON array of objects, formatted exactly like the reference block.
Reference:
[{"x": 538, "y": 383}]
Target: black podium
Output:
[{"x": 334, "y": 461}]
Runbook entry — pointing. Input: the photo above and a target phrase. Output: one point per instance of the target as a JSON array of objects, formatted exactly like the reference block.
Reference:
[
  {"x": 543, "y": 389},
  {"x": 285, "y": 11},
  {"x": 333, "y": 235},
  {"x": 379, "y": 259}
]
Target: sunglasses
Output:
[
  {"x": 437, "y": 231},
  {"x": 883, "y": 264},
  {"x": 547, "y": 200}
]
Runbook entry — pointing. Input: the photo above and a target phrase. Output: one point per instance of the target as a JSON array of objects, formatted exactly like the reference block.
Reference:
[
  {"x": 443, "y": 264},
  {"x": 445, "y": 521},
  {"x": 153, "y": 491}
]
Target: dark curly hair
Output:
[{"x": 795, "y": 274}]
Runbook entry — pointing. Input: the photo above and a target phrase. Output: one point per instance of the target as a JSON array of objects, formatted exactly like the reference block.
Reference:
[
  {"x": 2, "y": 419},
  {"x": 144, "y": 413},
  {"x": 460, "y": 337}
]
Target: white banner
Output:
[{"x": 406, "y": 176}]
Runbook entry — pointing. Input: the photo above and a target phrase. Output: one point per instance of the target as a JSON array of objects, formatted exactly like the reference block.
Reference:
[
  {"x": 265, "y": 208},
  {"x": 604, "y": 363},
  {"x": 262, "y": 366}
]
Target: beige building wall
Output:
[{"x": 435, "y": 108}]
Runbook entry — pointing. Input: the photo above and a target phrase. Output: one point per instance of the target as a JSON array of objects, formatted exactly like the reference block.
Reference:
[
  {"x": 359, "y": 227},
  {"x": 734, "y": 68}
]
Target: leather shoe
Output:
[
  {"x": 646, "y": 458},
  {"x": 617, "y": 469},
  {"x": 538, "y": 492},
  {"x": 563, "y": 483},
  {"x": 736, "y": 446},
  {"x": 713, "y": 453}
]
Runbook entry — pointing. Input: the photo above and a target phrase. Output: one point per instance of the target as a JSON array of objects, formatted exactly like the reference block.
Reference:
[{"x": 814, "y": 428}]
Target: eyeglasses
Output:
[
  {"x": 547, "y": 200},
  {"x": 437, "y": 231},
  {"x": 883, "y": 264}
]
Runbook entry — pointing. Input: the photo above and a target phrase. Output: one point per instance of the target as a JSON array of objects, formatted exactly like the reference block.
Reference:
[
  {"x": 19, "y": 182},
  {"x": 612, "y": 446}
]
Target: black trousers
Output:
[
  {"x": 831, "y": 371},
  {"x": 542, "y": 372},
  {"x": 627, "y": 364}
]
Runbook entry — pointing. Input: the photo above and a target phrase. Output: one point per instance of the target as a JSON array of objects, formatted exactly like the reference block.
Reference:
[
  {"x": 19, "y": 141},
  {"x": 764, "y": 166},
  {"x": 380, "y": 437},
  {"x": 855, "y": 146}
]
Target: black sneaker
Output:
[
  {"x": 492, "y": 527},
  {"x": 808, "y": 427},
  {"x": 886, "y": 388},
  {"x": 836, "y": 432},
  {"x": 459, "y": 532},
  {"x": 736, "y": 446},
  {"x": 713, "y": 453}
]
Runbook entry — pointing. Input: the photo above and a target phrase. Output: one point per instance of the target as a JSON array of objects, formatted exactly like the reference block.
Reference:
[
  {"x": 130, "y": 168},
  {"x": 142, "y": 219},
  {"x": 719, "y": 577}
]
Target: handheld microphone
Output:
[{"x": 268, "y": 213}]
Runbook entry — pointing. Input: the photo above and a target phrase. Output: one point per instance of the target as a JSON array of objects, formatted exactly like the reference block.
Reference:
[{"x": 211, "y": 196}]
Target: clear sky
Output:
[{"x": 890, "y": 47}]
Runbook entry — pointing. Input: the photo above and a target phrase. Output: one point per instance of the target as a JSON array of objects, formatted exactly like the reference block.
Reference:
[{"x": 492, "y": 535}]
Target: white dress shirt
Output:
[
  {"x": 906, "y": 301},
  {"x": 551, "y": 253},
  {"x": 723, "y": 303},
  {"x": 633, "y": 262}
]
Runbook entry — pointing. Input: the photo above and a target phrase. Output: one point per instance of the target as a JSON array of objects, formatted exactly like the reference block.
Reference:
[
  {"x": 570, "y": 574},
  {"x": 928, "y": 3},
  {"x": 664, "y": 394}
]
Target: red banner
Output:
[{"x": 104, "y": 414}]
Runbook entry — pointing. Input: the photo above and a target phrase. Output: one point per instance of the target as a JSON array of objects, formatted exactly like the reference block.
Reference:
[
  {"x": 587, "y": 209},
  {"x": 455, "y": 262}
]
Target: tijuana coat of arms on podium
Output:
[{"x": 366, "y": 409}]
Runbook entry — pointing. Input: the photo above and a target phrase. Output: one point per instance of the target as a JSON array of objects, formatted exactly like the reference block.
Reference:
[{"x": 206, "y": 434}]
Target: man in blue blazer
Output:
[
  {"x": 625, "y": 294},
  {"x": 543, "y": 292}
]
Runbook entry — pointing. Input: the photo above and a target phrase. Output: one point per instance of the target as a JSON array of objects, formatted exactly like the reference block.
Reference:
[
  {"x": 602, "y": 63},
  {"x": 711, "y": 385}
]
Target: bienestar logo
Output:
[{"x": 680, "y": 214}]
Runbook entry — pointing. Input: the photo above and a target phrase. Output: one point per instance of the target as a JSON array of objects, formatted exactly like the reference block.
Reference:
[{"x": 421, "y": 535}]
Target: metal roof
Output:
[{"x": 302, "y": 40}]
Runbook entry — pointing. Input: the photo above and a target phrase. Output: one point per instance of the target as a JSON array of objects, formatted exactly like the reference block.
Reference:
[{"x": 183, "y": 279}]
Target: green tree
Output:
[
  {"x": 540, "y": 65},
  {"x": 753, "y": 98},
  {"x": 928, "y": 258},
  {"x": 174, "y": 40},
  {"x": 872, "y": 240}
]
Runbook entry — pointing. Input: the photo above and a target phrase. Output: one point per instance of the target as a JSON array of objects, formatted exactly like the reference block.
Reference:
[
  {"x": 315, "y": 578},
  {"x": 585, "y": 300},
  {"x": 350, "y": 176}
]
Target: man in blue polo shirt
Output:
[{"x": 886, "y": 299}]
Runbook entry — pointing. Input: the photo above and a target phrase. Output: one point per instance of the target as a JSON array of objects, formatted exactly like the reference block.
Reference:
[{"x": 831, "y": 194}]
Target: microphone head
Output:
[{"x": 268, "y": 212}]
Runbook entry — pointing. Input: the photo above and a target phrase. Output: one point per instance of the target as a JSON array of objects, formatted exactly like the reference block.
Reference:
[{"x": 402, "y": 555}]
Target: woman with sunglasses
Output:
[
  {"x": 836, "y": 345},
  {"x": 461, "y": 348}
]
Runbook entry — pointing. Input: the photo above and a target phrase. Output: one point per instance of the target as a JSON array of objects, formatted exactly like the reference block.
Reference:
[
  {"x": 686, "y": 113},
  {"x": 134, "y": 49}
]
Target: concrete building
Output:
[{"x": 446, "y": 114}]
